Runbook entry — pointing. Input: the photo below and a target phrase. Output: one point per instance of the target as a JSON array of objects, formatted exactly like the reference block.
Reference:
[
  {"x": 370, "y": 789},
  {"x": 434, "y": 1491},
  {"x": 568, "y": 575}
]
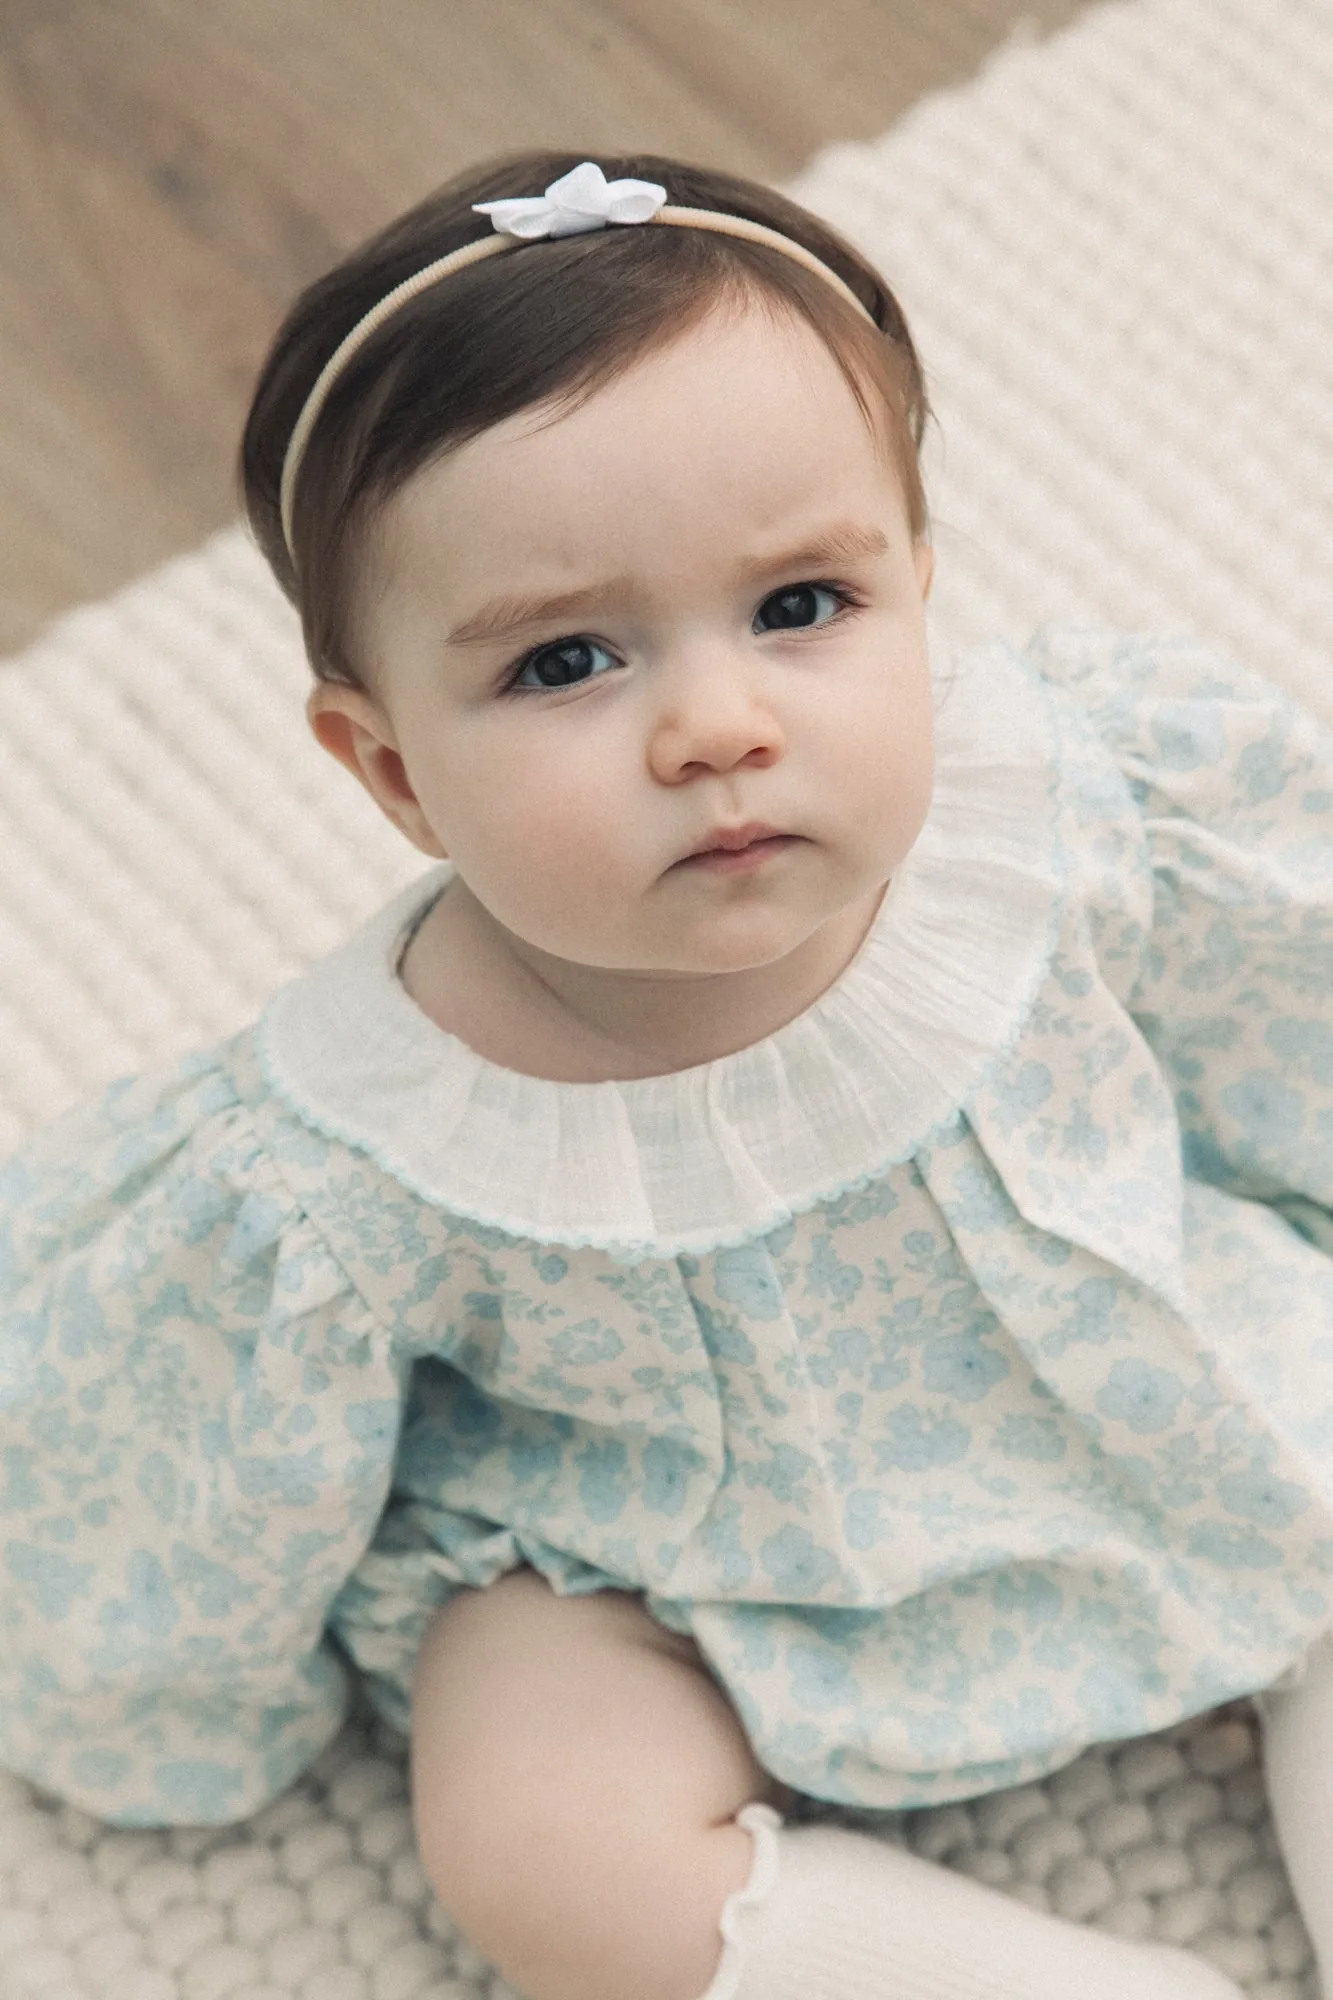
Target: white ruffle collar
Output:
[{"x": 727, "y": 1150}]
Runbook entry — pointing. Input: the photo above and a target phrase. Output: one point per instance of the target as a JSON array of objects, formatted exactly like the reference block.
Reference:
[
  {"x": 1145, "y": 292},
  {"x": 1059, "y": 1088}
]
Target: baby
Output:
[{"x": 795, "y": 1261}]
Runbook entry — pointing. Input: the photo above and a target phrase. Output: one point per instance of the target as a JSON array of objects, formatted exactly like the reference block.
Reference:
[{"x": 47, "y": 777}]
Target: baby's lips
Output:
[{"x": 732, "y": 838}]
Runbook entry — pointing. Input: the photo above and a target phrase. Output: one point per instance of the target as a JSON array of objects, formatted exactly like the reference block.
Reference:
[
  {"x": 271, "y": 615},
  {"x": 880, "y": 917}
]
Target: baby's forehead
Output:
[
  {"x": 740, "y": 436},
  {"x": 613, "y": 510},
  {"x": 738, "y": 413}
]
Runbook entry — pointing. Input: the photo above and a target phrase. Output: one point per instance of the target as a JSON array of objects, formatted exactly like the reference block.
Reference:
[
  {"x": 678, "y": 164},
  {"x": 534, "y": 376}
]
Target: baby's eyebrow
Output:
[{"x": 844, "y": 541}]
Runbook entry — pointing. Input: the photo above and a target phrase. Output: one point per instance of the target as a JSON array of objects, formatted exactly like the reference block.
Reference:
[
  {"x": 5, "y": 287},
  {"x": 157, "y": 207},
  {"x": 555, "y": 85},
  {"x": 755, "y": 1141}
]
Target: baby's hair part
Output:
[{"x": 550, "y": 321}]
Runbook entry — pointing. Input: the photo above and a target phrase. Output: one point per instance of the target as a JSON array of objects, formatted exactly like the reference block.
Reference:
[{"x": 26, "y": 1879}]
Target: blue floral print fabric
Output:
[{"x": 1022, "y": 1443}]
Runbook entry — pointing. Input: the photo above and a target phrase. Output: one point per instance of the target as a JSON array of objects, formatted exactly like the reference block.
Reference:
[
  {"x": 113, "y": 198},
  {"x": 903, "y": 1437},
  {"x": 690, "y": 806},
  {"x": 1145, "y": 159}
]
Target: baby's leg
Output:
[
  {"x": 1298, "y": 1763},
  {"x": 576, "y": 1777},
  {"x": 576, "y": 1772}
]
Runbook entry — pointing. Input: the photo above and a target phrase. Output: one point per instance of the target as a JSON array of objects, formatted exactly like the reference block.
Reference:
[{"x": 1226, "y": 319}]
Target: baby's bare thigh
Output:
[{"x": 537, "y": 1717}]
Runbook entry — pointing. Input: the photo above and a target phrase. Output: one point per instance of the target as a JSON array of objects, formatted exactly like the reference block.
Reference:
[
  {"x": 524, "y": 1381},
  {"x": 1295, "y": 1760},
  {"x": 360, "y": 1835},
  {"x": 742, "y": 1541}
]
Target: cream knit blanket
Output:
[{"x": 1116, "y": 251}]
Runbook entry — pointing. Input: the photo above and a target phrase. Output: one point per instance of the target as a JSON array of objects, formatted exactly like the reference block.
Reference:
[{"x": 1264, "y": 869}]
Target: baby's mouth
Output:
[
  {"x": 737, "y": 860},
  {"x": 735, "y": 839}
]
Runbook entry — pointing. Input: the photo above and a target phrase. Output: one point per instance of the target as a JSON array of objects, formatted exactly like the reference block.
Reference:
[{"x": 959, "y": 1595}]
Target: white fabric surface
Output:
[
  {"x": 1297, "y": 1715},
  {"x": 1114, "y": 250},
  {"x": 825, "y": 1911}
]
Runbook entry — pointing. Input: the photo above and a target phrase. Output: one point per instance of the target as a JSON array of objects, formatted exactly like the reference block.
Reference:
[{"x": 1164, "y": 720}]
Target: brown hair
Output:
[{"x": 553, "y": 320}]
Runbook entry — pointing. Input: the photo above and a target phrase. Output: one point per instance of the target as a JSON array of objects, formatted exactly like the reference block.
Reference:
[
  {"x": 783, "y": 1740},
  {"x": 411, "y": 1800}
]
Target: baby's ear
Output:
[
  {"x": 352, "y": 727},
  {"x": 345, "y": 722},
  {"x": 923, "y": 555}
]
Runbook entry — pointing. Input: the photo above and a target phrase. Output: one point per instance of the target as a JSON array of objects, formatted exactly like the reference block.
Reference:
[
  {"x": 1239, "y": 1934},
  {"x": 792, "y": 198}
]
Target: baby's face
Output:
[{"x": 702, "y": 519}]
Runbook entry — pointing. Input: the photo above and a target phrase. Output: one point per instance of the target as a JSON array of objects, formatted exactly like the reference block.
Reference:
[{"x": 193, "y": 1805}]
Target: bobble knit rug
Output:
[{"x": 1115, "y": 250}]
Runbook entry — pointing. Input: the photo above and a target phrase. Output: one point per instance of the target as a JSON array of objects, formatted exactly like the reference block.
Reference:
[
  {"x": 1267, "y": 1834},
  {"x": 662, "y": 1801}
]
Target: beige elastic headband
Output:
[{"x": 580, "y": 201}]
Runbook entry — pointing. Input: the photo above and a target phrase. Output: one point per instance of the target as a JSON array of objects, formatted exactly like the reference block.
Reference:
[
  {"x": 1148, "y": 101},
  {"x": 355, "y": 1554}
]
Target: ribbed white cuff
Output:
[
  {"x": 829, "y": 1914},
  {"x": 763, "y": 1823}
]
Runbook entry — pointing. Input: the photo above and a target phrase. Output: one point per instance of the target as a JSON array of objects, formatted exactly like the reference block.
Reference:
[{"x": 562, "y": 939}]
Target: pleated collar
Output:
[{"x": 711, "y": 1155}]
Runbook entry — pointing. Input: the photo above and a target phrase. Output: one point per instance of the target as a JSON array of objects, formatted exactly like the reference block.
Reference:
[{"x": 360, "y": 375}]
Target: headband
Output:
[{"x": 581, "y": 200}]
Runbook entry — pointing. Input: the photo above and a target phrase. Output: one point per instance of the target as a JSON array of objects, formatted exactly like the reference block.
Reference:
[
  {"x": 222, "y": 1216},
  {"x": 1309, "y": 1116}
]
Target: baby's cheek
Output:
[
  {"x": 912, "y": 795},
  {"x": 911, "y": 752},
  {"x": 887, "y": 788},
  {"x": 550, "y": 881}
]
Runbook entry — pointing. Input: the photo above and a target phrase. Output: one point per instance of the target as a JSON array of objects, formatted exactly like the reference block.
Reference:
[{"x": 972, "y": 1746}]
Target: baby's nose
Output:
[{"x": 714, "y": 715}]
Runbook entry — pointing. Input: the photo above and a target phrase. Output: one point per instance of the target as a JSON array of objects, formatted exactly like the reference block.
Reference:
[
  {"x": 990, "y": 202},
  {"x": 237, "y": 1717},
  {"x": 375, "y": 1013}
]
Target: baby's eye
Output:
[
  {"x": 795, "y": 606},
  {"x": 568, "y": 662},
  {"x": 563, "y": 664}
]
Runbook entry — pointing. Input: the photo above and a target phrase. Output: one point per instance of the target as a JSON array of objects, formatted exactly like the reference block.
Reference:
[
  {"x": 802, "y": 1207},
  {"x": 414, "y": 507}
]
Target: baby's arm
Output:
[
  {"x": 1233, "y": 781},
  {"x": 165, "y": 1306}
]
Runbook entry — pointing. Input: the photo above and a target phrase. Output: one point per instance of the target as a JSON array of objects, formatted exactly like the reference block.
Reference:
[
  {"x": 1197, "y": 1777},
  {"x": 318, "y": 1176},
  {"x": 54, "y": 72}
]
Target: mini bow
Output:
[{"x": 580, "y": 200}]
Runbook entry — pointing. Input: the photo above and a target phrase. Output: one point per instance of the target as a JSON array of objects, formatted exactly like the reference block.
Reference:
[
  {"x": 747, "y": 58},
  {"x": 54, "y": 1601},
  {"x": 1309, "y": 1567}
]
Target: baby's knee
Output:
[
  {"x": 575, "y": 1781},
  {"x": 569, "y": 1908}
]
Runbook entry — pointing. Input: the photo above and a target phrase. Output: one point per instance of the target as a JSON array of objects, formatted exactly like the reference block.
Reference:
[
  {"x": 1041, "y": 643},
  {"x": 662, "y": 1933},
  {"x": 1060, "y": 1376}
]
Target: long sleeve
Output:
[
  {"x": 197, "y": 1424},
  {"x": 1234, "y": 781}
]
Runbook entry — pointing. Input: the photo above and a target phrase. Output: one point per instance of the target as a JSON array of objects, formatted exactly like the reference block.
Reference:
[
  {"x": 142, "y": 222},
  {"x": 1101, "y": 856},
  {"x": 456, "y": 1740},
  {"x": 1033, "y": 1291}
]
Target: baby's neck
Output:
[{"x": 576, "y": 1029}]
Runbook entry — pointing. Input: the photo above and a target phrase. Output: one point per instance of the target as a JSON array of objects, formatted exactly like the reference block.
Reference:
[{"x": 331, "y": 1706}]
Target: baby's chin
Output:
[{"x": 715, "y": 947}]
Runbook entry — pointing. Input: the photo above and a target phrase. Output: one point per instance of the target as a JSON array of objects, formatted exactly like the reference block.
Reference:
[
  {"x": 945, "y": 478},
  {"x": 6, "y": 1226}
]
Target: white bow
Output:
[{"x": 582, "y": 199}]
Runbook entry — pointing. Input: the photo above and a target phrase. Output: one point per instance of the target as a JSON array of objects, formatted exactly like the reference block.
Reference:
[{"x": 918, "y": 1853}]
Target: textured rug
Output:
[{"x": 1116, "y": 252}]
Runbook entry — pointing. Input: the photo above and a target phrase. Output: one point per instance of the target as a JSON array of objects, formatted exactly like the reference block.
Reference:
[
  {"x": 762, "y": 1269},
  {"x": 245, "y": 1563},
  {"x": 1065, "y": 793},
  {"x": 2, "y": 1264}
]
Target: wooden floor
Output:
[{"x": 172, "y": 171}]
